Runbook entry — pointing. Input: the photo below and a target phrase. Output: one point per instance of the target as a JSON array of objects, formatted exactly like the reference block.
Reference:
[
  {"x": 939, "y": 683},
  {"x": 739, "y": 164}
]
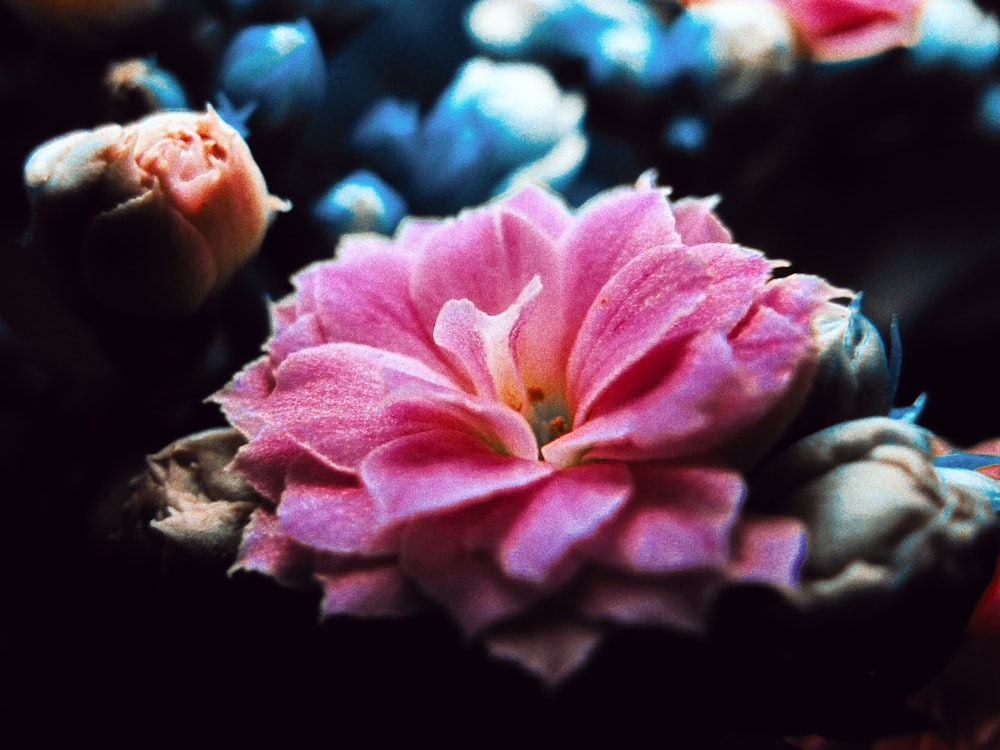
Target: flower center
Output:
[{"x": 548, "y": 416}]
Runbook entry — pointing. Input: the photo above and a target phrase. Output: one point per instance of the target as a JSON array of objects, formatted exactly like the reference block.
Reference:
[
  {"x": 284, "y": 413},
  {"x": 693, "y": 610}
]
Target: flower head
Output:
[
  {"x": 847, "y": 29},
  {"x": 278, "y": 68},
  {"x": 189, "y": 497},
  {"x": 527, "y": 409},
  {"x": 621, "y": 42},
  {"x": 158, "y": 213},
  {"x": 497, "y": 125}
]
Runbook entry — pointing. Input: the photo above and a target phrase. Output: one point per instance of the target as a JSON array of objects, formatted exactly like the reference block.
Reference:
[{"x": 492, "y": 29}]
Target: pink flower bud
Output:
[{"x": 159, "y": 213}]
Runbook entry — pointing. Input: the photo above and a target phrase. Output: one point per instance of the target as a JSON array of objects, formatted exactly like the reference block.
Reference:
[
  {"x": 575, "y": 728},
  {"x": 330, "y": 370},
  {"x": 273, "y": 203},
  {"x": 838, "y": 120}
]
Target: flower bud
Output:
[
  {"x": 278, "y": 68},
  {"x": 881, "y": 519},
  {"x": 361, "y": 202},
  {"x": 188, "y": 496},
  {"x": 151, "y": 216},
  {"x": 853, "y": 377}
]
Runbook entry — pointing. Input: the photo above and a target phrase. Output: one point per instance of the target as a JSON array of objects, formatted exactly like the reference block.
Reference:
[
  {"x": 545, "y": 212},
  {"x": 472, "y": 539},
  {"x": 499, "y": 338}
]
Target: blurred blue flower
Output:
[
  {"x": 958, "y": 32},
  {"x": 622, "y": 42},
  {"x": 361, "y": 202},
  {"x": 686, "y": 133},
  {"x": 408, "y": 48},
  {"x": 989, "y": 107},
  {"x": 278, "y": 68},
  {"x": 496, "y": 126}
]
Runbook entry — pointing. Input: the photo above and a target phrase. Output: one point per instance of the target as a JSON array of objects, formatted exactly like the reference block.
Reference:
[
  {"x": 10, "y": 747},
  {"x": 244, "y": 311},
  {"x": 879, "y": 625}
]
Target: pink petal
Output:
[
  {"x": 486, "y": 256},
  {"x": 552, "y": 651},
  {"x": 610, "y": 230},
  {"x": 680, "y": 600},
  {"x": 365, "y": 299},
  {"x": 637, "y": 310},
  {"x": 714, "y": 298},
  {"x": 484, "y": 346},
  {"x": 547, "y": 211},
  {"x": 847, "y": 29},
  {"x": 695, "y": 396},
  {"x": 467, "y": 582},
  {"x": 571, "y": 506},
  {"x": 372, "y": 589},
  {"x": 441, "y": 469},
  {"x": 330, "y": 400},
  {"x": 241, "y": 396},
  {"x": 268, "y": 550},
  {"x": 684, "y": 414},
  {"x": 489, "y": 257},
  {"x": 328, "y": 511},
  {"x": 500, "y": 427},
  {"x": 683, "y": 519},
  {"x": 769, "y": 550},
  {"x": 697, "y": 224},
  {"x": 264, "y": 460},
  {"x": 304, "y": 332}
]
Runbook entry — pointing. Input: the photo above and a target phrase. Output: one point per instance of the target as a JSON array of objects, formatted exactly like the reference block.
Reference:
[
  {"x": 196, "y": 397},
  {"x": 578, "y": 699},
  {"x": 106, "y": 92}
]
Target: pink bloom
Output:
[
  {"x": 533, "y": 417},
  {"x": 843, "y": 29},
  {"x": 848, "y": 29}
]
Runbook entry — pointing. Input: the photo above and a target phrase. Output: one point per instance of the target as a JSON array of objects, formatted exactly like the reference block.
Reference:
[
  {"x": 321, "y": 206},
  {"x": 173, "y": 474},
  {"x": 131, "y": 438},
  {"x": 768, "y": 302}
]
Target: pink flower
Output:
[
  {"x": 842, "y": 29},
  {"x": 533, "y": 417},
  {"x": 848, "y": 29},
  {"x": 160, "y": 212}
]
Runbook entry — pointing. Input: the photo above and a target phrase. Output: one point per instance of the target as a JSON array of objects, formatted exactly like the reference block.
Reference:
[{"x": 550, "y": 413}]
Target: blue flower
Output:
[
  {"x": 958, "y": 32},
  {"x": 622, "y": 42},
  {"x": 410, "y": 48},
  {"x": 361, "y": 202},
  {"x": 496, "y": 126},
  {"x": 686, "y": 132},
  {"x": 278, "y": 68}
]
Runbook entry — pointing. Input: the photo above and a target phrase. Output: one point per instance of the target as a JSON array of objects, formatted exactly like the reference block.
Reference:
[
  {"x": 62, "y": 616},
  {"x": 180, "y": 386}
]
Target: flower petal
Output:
[
  {"x": 697, "y": 224},
  {"x": 683, "y": 519},
  {"x": 551, "y": 651},
  {"x": 328, "y": 511},
  {"x": 634, "y": 312},
  {"x": 567, "y": 509},
  {"x": 330, "y": 400},
  {"x": 769, "y": 550},
  {"x": 596, "y": 247},
  {"x": 433, "y": 553},
  {"x": 441, "y": 469},
  {"x": 484, "y": 346},
  {"x": 680, "y": 600},
  {"x": 366, "y": 300},
  {"x": 371, "y": 589},
  {"x": 268, "y": 550}
]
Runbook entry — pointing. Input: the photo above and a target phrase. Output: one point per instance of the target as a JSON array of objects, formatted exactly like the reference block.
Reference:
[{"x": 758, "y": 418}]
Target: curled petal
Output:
[
  {"x": 566, "y": 510},
  {"x": 441, "y": 469}
]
